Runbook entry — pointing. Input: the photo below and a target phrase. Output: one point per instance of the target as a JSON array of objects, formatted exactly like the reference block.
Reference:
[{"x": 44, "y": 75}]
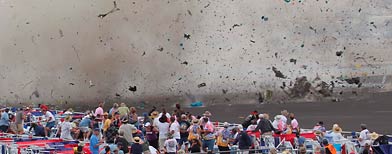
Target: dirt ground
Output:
[{"x": 374, "y": 110}]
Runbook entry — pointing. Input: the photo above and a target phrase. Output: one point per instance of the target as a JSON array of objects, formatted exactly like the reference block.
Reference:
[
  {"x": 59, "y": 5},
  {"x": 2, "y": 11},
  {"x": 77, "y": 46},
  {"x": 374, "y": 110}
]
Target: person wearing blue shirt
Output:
[
  {"x": 38, "y": 129},
  {"x": 95, "y": 142},
  {"x": 85, "y": 126},
  {"x": 4, "y": 121}
]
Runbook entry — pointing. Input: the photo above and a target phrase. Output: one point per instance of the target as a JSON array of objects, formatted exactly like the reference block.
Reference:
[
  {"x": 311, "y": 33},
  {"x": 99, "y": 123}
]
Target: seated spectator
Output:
[
  {"x": 39, "y": 130},
  {"x": 319, "y": 127},
  {"x": 336, "y": 134}
]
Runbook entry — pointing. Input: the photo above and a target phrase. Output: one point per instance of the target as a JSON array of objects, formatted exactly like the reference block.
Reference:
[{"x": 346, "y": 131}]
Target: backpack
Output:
[{"x": 193, "y": 132}]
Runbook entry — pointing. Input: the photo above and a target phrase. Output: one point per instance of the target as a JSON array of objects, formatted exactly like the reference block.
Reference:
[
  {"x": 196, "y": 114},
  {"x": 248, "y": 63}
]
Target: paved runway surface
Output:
[{"x": 374, "y": 110}]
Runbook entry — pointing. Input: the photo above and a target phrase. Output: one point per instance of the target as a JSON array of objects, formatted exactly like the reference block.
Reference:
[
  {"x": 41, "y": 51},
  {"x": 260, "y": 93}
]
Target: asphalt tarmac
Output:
[{"x": 375, "y": 110}]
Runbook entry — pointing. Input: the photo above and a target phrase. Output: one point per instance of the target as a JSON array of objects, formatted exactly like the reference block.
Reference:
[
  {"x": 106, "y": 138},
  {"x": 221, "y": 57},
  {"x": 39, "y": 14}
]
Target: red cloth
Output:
[{"x": 290, "y": 137}]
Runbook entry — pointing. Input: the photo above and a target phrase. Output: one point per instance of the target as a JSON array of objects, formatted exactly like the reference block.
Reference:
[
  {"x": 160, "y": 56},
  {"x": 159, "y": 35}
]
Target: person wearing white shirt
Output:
[
  {"x": 294, "y": 123},
  {"x": 363, "y": 137},
  {"x": 65, "y": 129},
  {"x": 50, "y": 121},
  {"x": 163, "y": 127},
  {"x": 156, "y": 120},
  {"x": 175, "y": 129}
]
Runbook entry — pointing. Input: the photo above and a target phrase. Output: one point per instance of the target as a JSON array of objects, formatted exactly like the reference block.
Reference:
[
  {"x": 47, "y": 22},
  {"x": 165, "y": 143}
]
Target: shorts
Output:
[
  {"x": 4, "y": 129},
  {"x": 209, "y": 144},
  {"x": 19, "y": 128},
  {"x": 50, "y": 125},
  {"x": 84, "y": 129},
  {"x": 183, "y": 140}
]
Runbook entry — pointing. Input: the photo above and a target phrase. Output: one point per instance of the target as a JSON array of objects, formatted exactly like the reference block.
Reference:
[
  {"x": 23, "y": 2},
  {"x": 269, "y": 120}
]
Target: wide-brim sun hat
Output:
[
  {"x": 374, "y": 136},
  {"x": 207, "y": 114}
]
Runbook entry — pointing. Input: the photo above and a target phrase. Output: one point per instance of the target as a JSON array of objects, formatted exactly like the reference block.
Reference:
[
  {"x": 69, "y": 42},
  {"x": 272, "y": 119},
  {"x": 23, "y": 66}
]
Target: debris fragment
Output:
[
  {"x": 293, "y": 61},
  {"x": 278, "y": 73},
  {"x": 115, "y": 8},
  {"x": 235, "y": 25},
  {"x": 160, "y": 49},
  {"x": 339, "y": 53},
  {"x": 71, "y": 83},
  {"x": 252, "y": 41},
  {"x": 118, "y": 95},
  {"x": 189, "y": 12},
  {"x": 260, "y": 97},
  {"x": 355, "y": 80},
  {"x": 201, "y": 85},
  {"x": 264, "y": 18},
  {"x": 91, "y": 84},
  {"x": 132, "y": 88},
  {"x": 61, "y": 33},
  {"x": 35, "y": 93},
  {"x": 224, "y": 91},
  {"x": 185, "y": 63},
  {"x": 187, "y": 36}
]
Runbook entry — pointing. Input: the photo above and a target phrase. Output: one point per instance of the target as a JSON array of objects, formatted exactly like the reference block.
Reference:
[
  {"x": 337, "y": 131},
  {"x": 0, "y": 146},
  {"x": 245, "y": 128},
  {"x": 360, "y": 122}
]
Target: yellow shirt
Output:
[{"x": 106, "y": 124}]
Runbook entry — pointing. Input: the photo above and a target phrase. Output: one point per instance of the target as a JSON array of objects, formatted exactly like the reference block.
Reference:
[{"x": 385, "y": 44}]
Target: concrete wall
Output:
[{"x": 53, "y": 50}]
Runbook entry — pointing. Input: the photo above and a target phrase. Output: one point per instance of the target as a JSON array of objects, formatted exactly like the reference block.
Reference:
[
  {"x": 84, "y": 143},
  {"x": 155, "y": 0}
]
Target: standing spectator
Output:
[
  {"x": 106, "y": 122},
  {"x": 195, "y": 146},
  {"x": 127, "y": 129},
  {"x": 278, "y": 123},
  {"x": 170, "y": 145},
  {"x": 264, "y": 126},
  {"x": 243, "y": 140},
  {"x": 121, "y": 140},
  {"x": 99, "y": 111},
  {"x": 114, "y": 109},
  {"x": 163, "y": 127},
  {"x": 175, "y": 129},
  {"x": 133, "y": 118},
  {"x": 19, "y": 121},
  {"x": 364, "y": 137},
  {"x": 4, "y": 121},
  {"x": 249, "y": 118},
  {"x": 95, "y": 142},
  {"x": 116, "y": 120},
  {"x": 137, "y": 148},
  {"x": 178, "y": 111},
  {"x": 50, "y": 121},
  {"x": 285, "y": 115},
  {"x": 85, "y": 127},
  {"x": 223, "y": 139},
  {"x": 156, "y": 119},
  {"x": 152, "y": 135},
  {"x": 208, "y": 135},
  {"x": 123, "y": 110},
  {"x": 194, "y": 130},
  {"x": 65, "y": 129},
  {"x": 184, "y": 125},
  {"x": 294, "y": 124}
]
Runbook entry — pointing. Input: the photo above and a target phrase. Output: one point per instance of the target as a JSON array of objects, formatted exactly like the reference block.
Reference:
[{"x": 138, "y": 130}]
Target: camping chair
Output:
[{"x": 311, "y": 146}]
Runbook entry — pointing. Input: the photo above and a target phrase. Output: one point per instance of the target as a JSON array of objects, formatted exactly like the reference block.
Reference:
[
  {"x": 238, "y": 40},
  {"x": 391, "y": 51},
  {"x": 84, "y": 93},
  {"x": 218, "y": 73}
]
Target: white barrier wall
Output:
[{"x": 53, "y": 50}]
